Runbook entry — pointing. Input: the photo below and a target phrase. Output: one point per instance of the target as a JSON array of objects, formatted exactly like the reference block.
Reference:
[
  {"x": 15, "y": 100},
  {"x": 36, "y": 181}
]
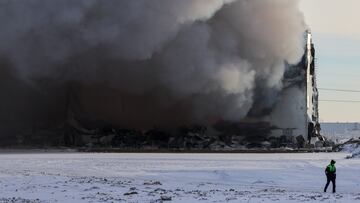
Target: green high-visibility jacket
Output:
[{"x": 330, "y": 170}]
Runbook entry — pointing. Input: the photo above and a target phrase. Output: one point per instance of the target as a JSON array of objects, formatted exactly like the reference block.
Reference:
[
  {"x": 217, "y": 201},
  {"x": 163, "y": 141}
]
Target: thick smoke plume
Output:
[{"x": 142, "y": 63}]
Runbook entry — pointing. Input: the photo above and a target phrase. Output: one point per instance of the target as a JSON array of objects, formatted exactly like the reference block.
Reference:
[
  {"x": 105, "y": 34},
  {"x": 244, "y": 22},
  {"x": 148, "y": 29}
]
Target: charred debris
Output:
[{"x": 222, "y": 135}]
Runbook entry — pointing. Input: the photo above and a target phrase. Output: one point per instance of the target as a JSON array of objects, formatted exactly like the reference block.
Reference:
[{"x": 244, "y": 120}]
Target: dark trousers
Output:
[{"x": 332, "y": 179}]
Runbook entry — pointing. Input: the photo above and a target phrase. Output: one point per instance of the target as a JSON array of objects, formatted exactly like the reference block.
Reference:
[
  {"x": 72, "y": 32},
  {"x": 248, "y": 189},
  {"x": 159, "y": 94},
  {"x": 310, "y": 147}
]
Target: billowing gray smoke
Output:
[{"x": 145, "y": 62}]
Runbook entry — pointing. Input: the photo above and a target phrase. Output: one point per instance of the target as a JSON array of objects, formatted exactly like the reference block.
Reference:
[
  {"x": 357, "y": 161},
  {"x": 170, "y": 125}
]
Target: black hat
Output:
[{"x": 332, "y": 162}]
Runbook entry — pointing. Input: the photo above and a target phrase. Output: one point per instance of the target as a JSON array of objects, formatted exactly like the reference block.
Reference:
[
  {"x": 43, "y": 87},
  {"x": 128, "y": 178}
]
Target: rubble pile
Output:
[
  {"x": 245, "y": 134},
  {"x": 221, "y": 136}
]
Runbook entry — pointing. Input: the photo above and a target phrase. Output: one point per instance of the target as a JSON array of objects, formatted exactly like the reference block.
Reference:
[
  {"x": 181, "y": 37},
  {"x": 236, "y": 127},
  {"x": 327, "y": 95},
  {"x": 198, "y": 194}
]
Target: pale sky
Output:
[{"x": 335, "y": 25}]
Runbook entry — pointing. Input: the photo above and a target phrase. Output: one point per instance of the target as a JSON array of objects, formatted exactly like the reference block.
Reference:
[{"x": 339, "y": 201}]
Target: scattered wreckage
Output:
[{"x": 221, "y": 136}]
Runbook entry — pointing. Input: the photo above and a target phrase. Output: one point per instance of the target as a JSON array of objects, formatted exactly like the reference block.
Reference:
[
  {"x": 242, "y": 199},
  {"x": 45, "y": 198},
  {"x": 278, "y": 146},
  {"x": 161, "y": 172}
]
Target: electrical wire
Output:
[
  {"x": 338, "y": 90},
  {"x": 340, "y": 101}
]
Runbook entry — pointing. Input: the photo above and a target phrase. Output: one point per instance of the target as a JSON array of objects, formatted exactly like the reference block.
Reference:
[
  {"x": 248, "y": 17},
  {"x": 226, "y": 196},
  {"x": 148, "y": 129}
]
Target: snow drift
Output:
[{"x": 353, "y": 149}]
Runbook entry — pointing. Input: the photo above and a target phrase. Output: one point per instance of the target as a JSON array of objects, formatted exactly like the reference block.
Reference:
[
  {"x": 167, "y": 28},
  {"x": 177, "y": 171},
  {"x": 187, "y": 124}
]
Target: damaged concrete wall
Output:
[{"x": 296, "y": 112}]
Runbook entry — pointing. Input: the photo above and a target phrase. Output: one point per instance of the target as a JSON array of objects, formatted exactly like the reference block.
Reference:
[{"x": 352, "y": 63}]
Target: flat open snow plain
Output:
[{"x": 136, "y": 177}]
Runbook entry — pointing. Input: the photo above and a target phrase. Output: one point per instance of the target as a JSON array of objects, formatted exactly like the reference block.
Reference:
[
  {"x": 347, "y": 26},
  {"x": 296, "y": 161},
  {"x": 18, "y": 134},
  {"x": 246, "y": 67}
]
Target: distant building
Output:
[{"x": 340, "y": 131}]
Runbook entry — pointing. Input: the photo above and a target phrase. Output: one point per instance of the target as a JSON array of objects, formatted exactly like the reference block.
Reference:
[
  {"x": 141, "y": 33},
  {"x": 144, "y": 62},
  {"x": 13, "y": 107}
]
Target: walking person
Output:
[{"x": 330, "y": 172}]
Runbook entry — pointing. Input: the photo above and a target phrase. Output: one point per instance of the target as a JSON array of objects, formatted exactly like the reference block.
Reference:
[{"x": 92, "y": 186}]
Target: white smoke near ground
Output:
[
  {"x": 285, "y": 113},
  {"x": 197, "y": 59}
]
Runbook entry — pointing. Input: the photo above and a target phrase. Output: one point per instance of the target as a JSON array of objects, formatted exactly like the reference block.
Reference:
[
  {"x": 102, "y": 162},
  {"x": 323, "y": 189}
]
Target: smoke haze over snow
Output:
[{"x": 143, "y": 63}]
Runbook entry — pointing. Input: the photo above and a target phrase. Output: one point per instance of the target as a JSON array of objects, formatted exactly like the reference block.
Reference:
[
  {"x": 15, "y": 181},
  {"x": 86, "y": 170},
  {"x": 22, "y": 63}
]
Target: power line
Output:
[
  {"x": 339, "y": 90},
  {"x": 340, "y": 101}
]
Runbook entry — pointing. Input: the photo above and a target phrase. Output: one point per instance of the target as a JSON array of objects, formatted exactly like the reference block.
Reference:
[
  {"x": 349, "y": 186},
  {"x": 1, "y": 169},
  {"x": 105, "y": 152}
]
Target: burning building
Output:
[
  {"x": 195, "y": 73},
  {"x": 296, "y": 114}
]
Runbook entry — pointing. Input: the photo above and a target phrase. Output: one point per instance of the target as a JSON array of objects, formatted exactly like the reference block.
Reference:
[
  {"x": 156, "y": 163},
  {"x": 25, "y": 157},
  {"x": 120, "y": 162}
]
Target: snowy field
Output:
[{"x": 100, "y": 177}]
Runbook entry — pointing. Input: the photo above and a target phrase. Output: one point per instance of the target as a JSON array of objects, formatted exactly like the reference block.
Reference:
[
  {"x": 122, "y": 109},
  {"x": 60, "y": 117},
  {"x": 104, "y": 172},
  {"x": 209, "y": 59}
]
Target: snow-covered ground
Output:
[{"x": 123, "y": 177}]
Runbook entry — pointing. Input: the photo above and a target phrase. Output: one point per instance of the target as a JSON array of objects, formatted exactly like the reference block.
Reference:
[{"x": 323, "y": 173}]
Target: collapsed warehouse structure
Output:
[
  {"x": 161, "y": 74},
  {"x": 292, "y": 122}
]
